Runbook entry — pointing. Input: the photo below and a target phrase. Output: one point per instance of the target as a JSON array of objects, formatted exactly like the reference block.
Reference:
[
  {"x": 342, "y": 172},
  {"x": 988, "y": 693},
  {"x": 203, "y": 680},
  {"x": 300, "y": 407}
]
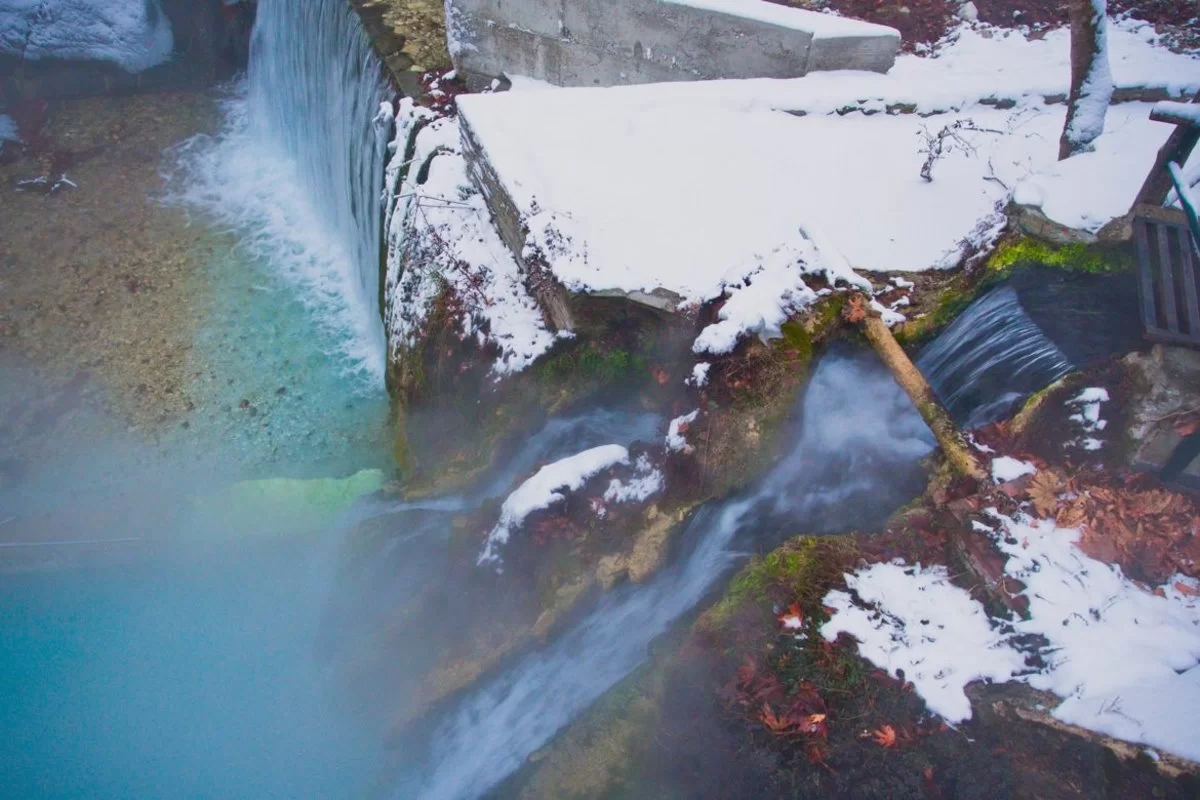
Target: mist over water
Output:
[{"x": 854, "y": 460}]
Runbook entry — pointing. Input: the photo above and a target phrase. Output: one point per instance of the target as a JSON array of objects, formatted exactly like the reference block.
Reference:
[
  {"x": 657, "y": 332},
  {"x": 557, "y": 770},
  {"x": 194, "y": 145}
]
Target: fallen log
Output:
[{"x": 958, "y": 452}]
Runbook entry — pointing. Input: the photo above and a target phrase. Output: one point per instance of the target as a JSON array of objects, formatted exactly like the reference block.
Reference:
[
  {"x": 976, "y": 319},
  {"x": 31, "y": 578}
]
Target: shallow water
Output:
[{"x": 189, "y": 675}]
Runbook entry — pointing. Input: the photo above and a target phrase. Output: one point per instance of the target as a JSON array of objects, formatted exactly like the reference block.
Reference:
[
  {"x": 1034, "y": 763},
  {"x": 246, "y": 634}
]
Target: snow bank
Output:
[
  {"x": 545, "y": 488},
  {"x": 135, "y": 34},
  {"x": 709, "y": 189},
  {"x": 914, "y": 623},
  {"x": 1125, "y": 661},
  {"x": 443, "y": 226}
]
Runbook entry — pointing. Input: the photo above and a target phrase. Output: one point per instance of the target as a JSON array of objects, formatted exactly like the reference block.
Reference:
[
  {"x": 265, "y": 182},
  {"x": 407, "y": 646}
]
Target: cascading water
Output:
[
  {"x": 989, "y": 358},
  {"x": 859, "y": 445},
  {"x": 298, "y": 170}
]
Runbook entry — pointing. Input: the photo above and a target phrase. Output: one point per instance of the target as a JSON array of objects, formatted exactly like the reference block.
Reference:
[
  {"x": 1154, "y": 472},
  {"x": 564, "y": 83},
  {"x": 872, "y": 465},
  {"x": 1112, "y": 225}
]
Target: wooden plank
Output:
[
  {"x": 1177, "y": 148},
  {"x": 1166, "y": 279},
  {"x": 1187, "y": 269},
  {"x": 1165, "y": 115},
  {"x": 1141, "y": 233},
  {"x": 1172, "y": 216}
]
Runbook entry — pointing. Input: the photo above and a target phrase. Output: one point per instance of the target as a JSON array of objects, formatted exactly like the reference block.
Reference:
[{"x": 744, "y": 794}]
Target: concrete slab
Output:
[{"x": 606, "y": 43}]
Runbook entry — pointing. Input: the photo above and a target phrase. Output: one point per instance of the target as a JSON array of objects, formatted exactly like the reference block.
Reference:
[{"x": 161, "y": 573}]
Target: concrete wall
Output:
[{"x": 610, "y": 42}]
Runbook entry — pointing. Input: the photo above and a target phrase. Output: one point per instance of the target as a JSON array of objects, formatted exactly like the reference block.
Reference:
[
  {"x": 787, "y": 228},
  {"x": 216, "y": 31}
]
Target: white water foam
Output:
[{"x": 297, "y": 171}]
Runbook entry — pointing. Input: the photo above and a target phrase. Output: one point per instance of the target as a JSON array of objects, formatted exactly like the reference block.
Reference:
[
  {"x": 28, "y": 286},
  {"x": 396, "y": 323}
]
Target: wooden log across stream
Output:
[{"x": 949, "y": 437}]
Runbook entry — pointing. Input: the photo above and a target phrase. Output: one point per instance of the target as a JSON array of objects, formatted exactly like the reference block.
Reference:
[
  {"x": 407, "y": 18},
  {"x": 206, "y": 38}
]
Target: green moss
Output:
[
  {"x": 590, "y": 363},
  {"x": 1078, "y": 257},
  {"x": 786, "y": 569},
  {"x": 797, "y": 340}
]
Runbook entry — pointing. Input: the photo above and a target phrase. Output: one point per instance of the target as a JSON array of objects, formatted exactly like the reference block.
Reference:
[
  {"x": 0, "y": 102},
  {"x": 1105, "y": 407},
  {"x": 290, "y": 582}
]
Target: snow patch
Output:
[
  {"x": 1086, "y": 406},
  {"x": 913, "y": 619},
  {"x": 1124, "y": 660},
  {"x": 646, "y": 481},
  {"x": 820, "y": 25},
  {"x": 444, "y": 226},
  {"x": 547, "y": 487},
  {"x": 1007, "y": 468},
  {"x": 699, "y": 376},
  {"x": 676, "y": 430}
]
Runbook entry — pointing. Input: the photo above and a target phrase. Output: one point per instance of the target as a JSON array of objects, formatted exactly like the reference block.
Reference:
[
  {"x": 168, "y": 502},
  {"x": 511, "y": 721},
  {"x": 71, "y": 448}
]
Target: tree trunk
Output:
[
  {"x": 1091, "y": 80},
  {"x": 955, "y": 447}
]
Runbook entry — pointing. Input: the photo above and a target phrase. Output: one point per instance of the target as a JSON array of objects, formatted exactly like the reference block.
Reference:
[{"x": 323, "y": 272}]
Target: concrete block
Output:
[{"x": 607, "y": 42}]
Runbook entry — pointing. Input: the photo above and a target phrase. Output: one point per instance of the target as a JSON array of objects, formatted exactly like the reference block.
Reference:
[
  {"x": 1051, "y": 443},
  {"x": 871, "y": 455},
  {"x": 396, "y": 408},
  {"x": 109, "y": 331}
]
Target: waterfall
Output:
[
  {"x": 297, "y": 171},
  {"x": 859, "y": 439},
  {"x": 989, "y": 358}
]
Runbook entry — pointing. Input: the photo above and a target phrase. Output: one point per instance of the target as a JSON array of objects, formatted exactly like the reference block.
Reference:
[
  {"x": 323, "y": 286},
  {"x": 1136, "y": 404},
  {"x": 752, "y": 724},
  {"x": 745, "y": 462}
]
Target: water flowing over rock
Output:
[
  {"x": 856, "y": 425},
  {"x": 989, "y": 358}
]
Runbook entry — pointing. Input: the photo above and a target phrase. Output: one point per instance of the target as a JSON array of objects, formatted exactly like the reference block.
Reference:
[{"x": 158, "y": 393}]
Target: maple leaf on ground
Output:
[
  {"x": 884, "y": 736},
  {"x": 814, "y": 725},
  {"x": 1073, "y": 514},
  {"x": 855, "y": 309},
  {"x": 775, "y": 724},
  {"x": 1043, "y": 491}
]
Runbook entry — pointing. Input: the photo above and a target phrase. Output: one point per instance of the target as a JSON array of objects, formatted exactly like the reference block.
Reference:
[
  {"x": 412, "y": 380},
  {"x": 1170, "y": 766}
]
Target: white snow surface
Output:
[
  {"x": 914, "y": 619},
  {"x": 547, "y": 487},
  {"x": 134, "y": 34},
  {"x": 706, "y": 189},
  {"x": 820, "y": 25},
  {"x": 699, "y": 376},
  {"x": 449, "y": 222},
  {"x": 1007, "y": 468},
  {"x": 1097, "y": 88},
  {"x": 646, "y": 481},
  {"x": 676, "y": 440},
  {"x": 1190, "y": 111},
  {"x": 1125, "y": 661},
  {"x": 1086, "y": 406}
]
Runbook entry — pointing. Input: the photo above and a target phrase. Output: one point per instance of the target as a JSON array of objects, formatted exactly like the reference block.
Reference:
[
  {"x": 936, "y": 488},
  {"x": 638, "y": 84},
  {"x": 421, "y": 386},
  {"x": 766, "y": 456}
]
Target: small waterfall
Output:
[
  {"x": 989, "y": 358},
  {"x": 298, "y": 170},
  {"x": 859, "y": 437}
]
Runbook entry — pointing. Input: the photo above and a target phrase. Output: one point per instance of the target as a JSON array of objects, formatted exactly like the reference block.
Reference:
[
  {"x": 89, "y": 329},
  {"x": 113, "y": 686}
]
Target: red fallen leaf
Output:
[
  {"x": 747, "y": 672},
  {"x": 884, "y": 736},
  {"x": 814, "y": 725},
  {"x": 1183, "y": 588},
  {"x": 792, "y": 618}
]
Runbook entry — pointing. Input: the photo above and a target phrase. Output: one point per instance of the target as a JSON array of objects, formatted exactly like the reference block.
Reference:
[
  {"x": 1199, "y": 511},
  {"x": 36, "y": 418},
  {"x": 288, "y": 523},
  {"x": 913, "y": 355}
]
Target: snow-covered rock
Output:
[
  {"x": 134, "y": 34},
  {"x": 547, "y": 487}
]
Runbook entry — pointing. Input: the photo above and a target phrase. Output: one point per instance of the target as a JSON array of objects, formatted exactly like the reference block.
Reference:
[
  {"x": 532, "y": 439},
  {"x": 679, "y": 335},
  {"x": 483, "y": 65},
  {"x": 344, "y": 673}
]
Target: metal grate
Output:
[{"x": 1168, "y": 278}]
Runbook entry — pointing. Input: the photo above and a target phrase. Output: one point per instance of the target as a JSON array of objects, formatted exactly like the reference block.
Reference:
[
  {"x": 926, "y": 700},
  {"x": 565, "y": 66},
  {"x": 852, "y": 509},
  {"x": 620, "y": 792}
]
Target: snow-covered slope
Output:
[{"x": 135, "y": 34}]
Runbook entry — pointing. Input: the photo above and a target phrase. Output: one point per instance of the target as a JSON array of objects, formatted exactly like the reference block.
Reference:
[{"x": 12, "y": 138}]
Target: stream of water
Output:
[{"x": 854, "y": 461}]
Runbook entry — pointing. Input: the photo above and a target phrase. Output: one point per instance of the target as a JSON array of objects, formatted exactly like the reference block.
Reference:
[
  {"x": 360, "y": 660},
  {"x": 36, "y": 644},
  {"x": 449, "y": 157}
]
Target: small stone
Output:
[
  {"x": 244, "y": 404},
  {"x": 282, "y": 390}
]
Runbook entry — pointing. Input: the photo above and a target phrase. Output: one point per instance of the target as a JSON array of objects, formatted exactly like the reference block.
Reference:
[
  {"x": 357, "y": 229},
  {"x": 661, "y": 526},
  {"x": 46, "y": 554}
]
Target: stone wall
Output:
[{"x": 607, "y": 42}]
